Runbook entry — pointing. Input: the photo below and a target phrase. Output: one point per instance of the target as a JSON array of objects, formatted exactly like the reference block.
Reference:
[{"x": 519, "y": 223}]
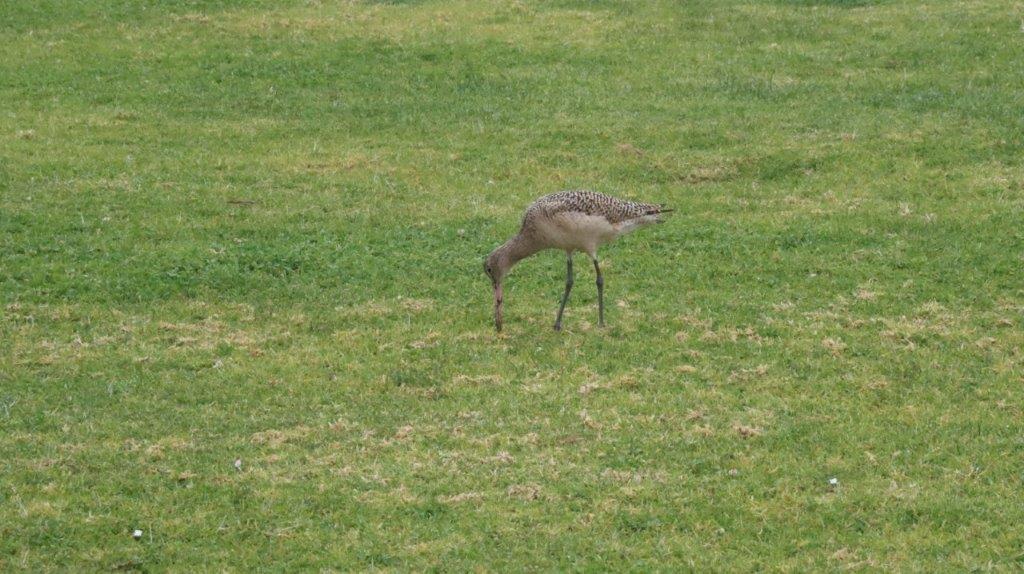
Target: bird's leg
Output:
[
  {"x": 600, "y": 294},
  {"x": 565, "y": 296}
]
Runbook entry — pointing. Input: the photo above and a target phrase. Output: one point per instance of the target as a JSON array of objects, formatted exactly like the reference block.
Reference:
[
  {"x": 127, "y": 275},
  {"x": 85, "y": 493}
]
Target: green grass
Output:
[{"x": 254, "y": 230}]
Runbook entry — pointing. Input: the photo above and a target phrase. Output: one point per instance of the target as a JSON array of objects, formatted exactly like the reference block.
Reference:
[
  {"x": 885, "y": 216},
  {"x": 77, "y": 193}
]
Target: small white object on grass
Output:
[
  {"x": 137, "y": 534},
  {"x": 833, "y": 482},
  {"x": 238, "y": 464}
]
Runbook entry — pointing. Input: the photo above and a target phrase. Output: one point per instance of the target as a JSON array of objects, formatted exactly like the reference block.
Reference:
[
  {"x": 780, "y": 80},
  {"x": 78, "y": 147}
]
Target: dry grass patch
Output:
[
  {"x": 524, "y": 491},
  {"x": 747, "y": 431},
  {"x": 274, "y": 438}
]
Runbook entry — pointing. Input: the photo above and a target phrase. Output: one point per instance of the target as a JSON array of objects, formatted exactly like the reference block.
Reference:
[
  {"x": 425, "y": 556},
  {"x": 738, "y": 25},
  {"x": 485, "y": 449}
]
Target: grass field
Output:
[{"x": 253, "y": 231}]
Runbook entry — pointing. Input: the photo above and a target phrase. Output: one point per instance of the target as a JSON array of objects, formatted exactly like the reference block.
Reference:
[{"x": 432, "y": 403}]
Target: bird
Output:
[{"x": 576, "y": 220}]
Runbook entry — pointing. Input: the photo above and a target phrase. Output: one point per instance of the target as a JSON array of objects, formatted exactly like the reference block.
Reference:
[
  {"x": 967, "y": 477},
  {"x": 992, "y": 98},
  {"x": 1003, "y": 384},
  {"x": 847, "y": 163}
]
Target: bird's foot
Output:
[{"x": 558, "y": 326}]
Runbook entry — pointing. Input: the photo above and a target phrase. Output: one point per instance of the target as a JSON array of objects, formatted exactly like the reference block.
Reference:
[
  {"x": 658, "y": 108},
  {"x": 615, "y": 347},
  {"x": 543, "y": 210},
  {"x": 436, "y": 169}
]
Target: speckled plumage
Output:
[
  {"x": 592, "y": 203},
  {"x": 570, "y": 221},
  {"x": 583, "y": 220}
]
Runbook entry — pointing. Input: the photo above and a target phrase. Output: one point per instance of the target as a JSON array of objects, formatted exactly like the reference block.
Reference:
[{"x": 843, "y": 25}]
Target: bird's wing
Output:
[{"x": 596, "y": 204}]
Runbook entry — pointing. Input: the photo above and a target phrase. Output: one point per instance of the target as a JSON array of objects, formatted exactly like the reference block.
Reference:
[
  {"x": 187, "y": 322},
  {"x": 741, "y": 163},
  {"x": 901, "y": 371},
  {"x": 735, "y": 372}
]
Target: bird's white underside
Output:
[{"x": 576, "y": 231}]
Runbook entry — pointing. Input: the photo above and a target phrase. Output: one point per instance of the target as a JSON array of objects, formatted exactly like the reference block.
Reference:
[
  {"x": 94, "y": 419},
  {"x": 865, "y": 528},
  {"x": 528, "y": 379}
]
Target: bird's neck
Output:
[{"x": 518, "y": 248}]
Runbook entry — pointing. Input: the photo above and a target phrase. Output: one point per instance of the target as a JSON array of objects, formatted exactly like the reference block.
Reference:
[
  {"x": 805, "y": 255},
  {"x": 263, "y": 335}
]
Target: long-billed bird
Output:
[{"x": 570, "y": 221}]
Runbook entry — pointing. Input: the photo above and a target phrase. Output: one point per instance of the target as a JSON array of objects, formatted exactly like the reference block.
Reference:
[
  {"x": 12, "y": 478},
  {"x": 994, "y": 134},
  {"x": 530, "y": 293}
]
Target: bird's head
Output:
[{"x": 496, "y": 266}]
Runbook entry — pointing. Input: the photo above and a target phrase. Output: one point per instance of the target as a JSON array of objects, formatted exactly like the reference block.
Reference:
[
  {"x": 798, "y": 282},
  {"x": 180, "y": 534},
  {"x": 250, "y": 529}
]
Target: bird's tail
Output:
[{"x": 657, "y": 211}]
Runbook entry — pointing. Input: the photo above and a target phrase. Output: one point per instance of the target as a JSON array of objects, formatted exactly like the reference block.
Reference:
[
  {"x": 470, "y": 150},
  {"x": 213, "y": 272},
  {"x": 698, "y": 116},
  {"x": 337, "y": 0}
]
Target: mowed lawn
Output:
[{"x": 254, "y": 232}]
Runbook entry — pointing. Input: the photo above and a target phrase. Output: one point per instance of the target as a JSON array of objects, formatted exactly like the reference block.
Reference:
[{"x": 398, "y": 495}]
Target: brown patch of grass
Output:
[
  {"x": 834, "y": 346},
  {"x": 747, "y": 431},
  {"x": 629, "y": 149},
  {"x": 631, "y": 380},
  {"x": 531, "y": 439},
  {"x": 156, "y": 450},
  {"x": 743, "y": 375},
  {"x": 746, "y": 333},
  {"x": 568, "y": 439},
  {"x": 877, "y": 384},
  {"x": 210, "y": 332},
  {"x": 431, "y": 340},
  {"x": 461, "y": 497},
  {"x": 985, "y": 342},
  {"x": 524, "y": 491},
  {"x": 416, "y": 305},
  {"x": 404, "y": 432},
  {"x": 863, "y": 294},
  {"x": 589, "y": 421},
  {"x": 275, "y": 438},
  {"x": 695, "y": 321},
  {"x": 783, "y": 306},
  {"x": 477, "y": 379},
  {"x": 634, "y": 476},
  {"x": 502, "y": 457},
  {"x": 733, "y": 335},
  {"x": 704, "y": 430}
]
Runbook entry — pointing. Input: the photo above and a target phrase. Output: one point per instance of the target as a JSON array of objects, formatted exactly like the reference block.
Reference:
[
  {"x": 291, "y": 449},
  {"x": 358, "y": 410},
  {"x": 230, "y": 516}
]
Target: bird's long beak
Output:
[{"x": 498, "y": 300}]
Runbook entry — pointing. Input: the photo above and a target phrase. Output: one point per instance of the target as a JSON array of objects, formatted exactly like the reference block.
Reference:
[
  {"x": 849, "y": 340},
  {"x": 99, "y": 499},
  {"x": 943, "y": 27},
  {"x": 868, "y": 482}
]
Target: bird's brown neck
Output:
[{"x": 518, "y": 248}]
